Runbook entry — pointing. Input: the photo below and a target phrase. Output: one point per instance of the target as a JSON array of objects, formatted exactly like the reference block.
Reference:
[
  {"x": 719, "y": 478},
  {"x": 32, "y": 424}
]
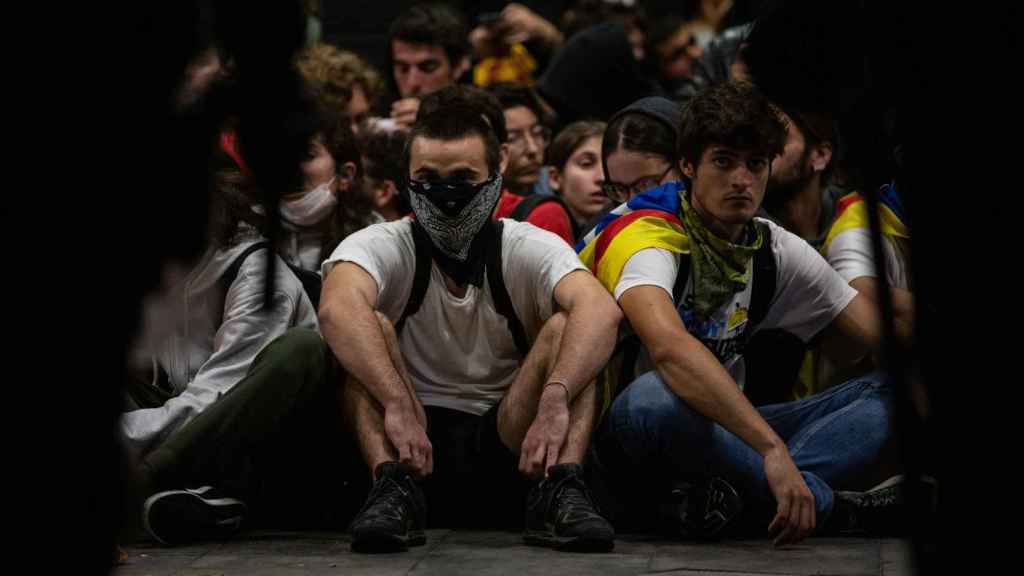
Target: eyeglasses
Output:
[
  {"x": 538, "y": 133},
  {"x": 623, "y": 192}
]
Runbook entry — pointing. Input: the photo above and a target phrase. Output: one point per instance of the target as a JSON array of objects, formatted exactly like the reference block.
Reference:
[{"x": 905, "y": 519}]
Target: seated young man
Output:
[
  {"x": 847, "y": 248},
  {"x": 471, "y": 346},
  {"x": 696, "y": 274}
]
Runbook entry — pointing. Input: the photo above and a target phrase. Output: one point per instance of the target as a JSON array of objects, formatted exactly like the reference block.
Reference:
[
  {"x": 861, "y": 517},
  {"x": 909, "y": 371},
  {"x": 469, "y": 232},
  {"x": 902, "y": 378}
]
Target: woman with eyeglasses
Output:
[
  {"x": 639, "y": 148},
  {"x": 526, "y": 141}
]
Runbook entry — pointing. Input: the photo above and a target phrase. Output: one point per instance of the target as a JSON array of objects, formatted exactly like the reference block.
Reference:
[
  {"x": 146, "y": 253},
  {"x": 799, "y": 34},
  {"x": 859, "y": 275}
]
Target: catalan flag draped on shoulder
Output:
[
  {"x": 649, "y": 220},
  {"x": 851, "y": 212}
]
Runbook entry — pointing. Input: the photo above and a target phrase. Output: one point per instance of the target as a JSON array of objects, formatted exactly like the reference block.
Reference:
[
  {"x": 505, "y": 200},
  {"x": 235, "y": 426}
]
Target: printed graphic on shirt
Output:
[{"x": 722, "y": 332}]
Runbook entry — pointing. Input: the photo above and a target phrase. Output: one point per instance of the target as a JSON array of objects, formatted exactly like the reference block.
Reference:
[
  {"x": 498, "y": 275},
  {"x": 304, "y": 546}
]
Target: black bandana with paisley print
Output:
[{"x": 453, "y": 215}]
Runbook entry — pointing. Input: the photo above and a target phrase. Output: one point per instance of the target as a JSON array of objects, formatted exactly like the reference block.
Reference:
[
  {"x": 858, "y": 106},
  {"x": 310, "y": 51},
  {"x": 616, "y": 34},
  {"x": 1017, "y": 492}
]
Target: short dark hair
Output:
[
  {"x": 382, "y": 150},
  {"x": 569, "y": 139},
  {"x": 733, "y": 114},
  {"x": 514, "y": 96},
  {"x": 434, "y": 25},
  {"x": 337, "y": 137},
  {"x": 455, "y": 122},
  {"x": 639, "y": 132},
  {"x": 460, "y": 94},
  {"x": 817, "y": 127},
  {"x": 312, "y": 119}
]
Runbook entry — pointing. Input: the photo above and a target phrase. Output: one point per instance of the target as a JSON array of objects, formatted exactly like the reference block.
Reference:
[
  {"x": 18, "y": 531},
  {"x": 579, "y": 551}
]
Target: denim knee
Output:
[{"x": 648, "y": 416}]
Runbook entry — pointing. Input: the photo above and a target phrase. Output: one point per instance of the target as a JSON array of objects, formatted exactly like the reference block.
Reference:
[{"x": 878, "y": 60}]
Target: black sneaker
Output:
[
  {"x": 700, "y": 510},
  {"x": 394, "y": 514},
  {"x": 181, "y": 516},
  {"x": 880, "y": 511},
  {"x": 560, "y": 514}
]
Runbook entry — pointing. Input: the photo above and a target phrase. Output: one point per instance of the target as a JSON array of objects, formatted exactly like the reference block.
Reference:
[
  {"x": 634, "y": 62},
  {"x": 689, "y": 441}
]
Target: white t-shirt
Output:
[
  {"x": 851, "y": 255},
  {"x": 809, "y": 294},
  {"x": 459, "y": 351}
]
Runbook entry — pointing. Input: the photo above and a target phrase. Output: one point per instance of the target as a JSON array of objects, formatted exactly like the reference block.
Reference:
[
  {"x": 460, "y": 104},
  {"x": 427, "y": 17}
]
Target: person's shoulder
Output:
[
  {"x": 384, "y": 244},
  {"x": 507, "y": 203},
  {"x": 785, "y": 243},
  {"x": 249, "y": 260},
  {"x": 516, "y": 232},
  {"x": 396, "y": 229},
  {"x": 778, "y": 233},
  {"x": 549, "y": 208},
  {"x": 383, "y": 232},
  {"x": 244, "y": 254}
]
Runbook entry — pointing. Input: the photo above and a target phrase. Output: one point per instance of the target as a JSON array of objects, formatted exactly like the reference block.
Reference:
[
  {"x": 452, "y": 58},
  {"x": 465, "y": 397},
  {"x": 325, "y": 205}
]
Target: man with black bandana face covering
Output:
[
  {"x": 451, "y": 383},
  {"x": 453, "y": 215}
]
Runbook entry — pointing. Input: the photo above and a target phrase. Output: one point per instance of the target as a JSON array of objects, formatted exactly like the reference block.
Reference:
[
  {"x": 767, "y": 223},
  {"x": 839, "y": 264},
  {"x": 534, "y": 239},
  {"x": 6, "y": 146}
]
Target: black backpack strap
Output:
[
  {"x": 530, "y": 203},
  {"x": 764, "y": 278},
  {"x": 682, "y": 275},
  {"x": 499, "y": 293},
  {"x": 228, "y": 278},
  {"x": 311, "y": 283},
  {"x": 421, "y": 278}
]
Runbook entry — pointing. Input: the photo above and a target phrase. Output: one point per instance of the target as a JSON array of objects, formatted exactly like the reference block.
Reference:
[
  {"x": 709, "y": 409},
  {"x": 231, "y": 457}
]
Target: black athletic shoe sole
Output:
[{"x": 178, "y": 517}]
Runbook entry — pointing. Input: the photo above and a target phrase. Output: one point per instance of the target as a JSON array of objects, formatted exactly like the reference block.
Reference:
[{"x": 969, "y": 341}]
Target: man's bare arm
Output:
[
  {"x": 350, "y": 326},
  {"x": 695, "y": 375}
]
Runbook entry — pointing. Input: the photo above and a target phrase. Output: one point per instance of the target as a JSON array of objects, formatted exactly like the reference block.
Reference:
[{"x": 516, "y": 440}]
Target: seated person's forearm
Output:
[{"x": 697, "y": 377}]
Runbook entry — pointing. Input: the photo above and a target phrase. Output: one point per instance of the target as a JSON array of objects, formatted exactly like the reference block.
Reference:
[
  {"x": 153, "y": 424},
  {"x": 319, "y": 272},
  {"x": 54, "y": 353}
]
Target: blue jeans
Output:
[{"x": 835, "y": 438}]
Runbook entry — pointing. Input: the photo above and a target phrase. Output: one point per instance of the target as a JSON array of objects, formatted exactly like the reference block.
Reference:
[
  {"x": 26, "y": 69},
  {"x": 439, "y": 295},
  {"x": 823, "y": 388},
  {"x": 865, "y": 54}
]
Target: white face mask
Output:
[{"x": 313, "y": 207}]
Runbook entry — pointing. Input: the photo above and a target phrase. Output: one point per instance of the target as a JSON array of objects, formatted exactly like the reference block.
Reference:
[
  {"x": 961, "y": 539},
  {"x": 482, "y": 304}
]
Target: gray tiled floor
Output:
[{"x": 487, "y": 553}]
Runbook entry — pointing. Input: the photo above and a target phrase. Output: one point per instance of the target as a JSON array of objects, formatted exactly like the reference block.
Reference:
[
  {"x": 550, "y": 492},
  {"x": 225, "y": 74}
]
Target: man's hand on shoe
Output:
[
  {"x": 795, "y": 518},
  {"x": 409, "y": 437},
  {"x": 546, "y": 436}
]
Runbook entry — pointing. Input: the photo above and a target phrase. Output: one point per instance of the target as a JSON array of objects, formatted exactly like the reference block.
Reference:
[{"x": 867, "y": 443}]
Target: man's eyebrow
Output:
[{"x": 464, "y": 172}]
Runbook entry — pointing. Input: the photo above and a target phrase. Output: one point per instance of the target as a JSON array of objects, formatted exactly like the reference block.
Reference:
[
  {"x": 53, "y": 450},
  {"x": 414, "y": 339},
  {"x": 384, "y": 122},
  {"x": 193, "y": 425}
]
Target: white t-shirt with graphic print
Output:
[
  {"x": 459, "y": 351},
  {"x": 809, "y": 294}
]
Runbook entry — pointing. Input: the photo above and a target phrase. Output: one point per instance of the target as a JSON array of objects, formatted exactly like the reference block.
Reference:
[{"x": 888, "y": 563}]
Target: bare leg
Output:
[
  {"x": 365, "y": 413},
  {"x": 366, "y": 416},
  {"x": 581, "y": 425},
  {"x": 391, "y": 339},
  {"x": 519, "y": 406},
  {"x": 560, "y": 514}
]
